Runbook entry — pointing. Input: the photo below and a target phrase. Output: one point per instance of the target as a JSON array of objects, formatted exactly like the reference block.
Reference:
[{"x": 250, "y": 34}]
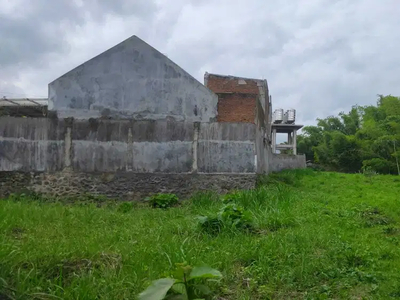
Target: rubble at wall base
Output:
[{"x": 121, "y": 185}]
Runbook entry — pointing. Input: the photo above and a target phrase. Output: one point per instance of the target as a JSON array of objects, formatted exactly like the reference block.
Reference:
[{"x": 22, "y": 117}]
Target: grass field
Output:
[{"x": 319, "y": 236}]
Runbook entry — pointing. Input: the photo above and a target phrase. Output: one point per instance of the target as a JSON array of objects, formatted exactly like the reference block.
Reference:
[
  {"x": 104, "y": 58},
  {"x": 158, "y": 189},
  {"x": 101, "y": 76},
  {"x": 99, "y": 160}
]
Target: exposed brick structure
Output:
[
  {"x": 236, "y": 97},
  {"x": 236, "y": 108}
]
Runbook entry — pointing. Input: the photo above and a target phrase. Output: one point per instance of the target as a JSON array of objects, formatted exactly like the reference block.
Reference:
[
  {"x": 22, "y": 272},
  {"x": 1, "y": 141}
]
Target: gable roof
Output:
[
  {"x": 131, "y": 40},
  {"x": 129, "y": 80}
]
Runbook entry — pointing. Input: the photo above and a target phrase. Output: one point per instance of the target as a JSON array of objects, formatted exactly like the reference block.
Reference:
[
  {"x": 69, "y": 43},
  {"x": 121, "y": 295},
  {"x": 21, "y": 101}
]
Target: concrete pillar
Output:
[
  {"x": 295, "y": 142},
  {"x": 195, "y": 144},
  {"x": 289, "y": 139},
  {"x": 129, "y": 160},
  {"x": 274, "y": 141},
  {"x": 68, "y": 143}
]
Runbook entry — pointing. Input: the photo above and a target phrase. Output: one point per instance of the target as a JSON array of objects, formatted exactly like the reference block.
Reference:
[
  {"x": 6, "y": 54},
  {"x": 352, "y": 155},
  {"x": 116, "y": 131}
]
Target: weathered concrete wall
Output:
[
  {"x": 226, "y": 148},
  {"x": 262, "y": 152},
  {"x": 263, "y": 139},
  {"x": 130, "y": 159},
  {"x": 31, "y": 144},
  {"x": 94, "y": 145},
  {"x": 131, "y": 80},
  {"x": 281, "y": 162},
  {"x": 139, "y": 146},
  {"x": 121, "y": 185}
]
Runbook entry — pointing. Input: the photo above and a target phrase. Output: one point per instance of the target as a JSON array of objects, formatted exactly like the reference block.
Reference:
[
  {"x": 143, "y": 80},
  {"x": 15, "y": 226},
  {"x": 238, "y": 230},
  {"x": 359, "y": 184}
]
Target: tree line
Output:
[{"x": 367, "y": 137}]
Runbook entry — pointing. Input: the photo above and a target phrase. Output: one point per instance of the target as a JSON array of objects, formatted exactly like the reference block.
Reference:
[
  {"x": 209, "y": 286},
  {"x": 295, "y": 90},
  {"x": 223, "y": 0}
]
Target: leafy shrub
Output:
[
  {"x": 162, "y": 200},
  {"x": 236, "y": 216},
  {"x": 125, "y": 207},
  {"x": 231, "y": 216},
  {"x": 231, "y": 197},
  {"x": 211, "y": 224},
  {"x": 379, "y": 165},
  {"x": 187, "y": 283}
]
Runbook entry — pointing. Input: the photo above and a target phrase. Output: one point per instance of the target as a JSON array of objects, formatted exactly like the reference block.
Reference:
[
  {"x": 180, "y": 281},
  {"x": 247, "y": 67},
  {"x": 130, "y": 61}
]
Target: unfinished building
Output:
[{"x": 131, "y": 122}]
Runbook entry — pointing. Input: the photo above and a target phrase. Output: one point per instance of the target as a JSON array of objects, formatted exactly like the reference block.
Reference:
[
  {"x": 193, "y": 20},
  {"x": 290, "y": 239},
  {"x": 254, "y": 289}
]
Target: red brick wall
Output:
[
  {"x": 236, "y": 108},
  {"x": 236, "y": 102}
]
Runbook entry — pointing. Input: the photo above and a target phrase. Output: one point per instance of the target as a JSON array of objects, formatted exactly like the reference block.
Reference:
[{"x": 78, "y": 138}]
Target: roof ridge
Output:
[{"x": 232, "y": 76}]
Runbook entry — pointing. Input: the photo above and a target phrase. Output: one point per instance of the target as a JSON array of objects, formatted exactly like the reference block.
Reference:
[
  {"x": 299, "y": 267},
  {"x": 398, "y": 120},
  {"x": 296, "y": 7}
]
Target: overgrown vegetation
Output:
[
  {"x": 230, "y": 217},
  {"x": 162, "y": 200},
  {"x": 315, "y": 236},
  {"x": 366, "y": 137},
  {"x": 125, "y": 207}
]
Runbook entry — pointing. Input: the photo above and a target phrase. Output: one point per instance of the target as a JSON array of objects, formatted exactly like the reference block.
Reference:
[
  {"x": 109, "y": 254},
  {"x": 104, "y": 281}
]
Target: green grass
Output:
[{"x": 319, "y": 236}]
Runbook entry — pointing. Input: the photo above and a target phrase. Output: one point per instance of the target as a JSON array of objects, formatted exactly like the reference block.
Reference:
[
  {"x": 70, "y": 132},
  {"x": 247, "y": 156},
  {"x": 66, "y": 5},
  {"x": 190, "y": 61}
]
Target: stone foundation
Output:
[{"x": 121, "y": 185}]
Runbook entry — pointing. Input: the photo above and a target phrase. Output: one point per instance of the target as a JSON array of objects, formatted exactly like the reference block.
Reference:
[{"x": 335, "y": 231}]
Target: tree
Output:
[{"x": 365, "y": 136}]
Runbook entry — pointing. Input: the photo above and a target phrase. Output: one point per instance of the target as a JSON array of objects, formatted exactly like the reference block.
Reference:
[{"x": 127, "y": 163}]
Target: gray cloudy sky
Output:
[{"x": 319, "y": 56}]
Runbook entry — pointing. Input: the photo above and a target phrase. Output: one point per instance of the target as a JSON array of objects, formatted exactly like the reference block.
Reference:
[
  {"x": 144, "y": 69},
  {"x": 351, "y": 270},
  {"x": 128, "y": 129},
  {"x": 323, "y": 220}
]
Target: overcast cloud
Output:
[{"x": 319, "y": 56}]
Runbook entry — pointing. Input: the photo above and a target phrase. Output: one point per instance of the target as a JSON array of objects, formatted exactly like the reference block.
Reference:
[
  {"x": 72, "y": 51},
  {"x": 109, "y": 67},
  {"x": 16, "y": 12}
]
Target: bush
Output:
[
  {"x": 235, "y": 216},
  {"x": 186, "y": 283},
  {"x": 231, "y": 216},
  {"x": 380, "y": 166},
  {"x": 231, "y": 197},
  {"x": 162, "y": 200},
  {"x": 125, "y": 207},
  {"x": 210, "y": 224}
]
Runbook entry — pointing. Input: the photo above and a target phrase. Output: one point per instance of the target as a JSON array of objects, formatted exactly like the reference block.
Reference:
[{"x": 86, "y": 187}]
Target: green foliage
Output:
[
  {"x": 231, "y": 197},
  {"x": 235, "y": 216},
  {"x": 378, "y": 165},
  {"x": 231, "y": 216},
  {"x": 162, "y": 200},
  {"x": 365, "y": 137},
  {"x": 211, "y": 224},
  {"x": 125, "y": 207},
  {"x": 187, "y": 283}
]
